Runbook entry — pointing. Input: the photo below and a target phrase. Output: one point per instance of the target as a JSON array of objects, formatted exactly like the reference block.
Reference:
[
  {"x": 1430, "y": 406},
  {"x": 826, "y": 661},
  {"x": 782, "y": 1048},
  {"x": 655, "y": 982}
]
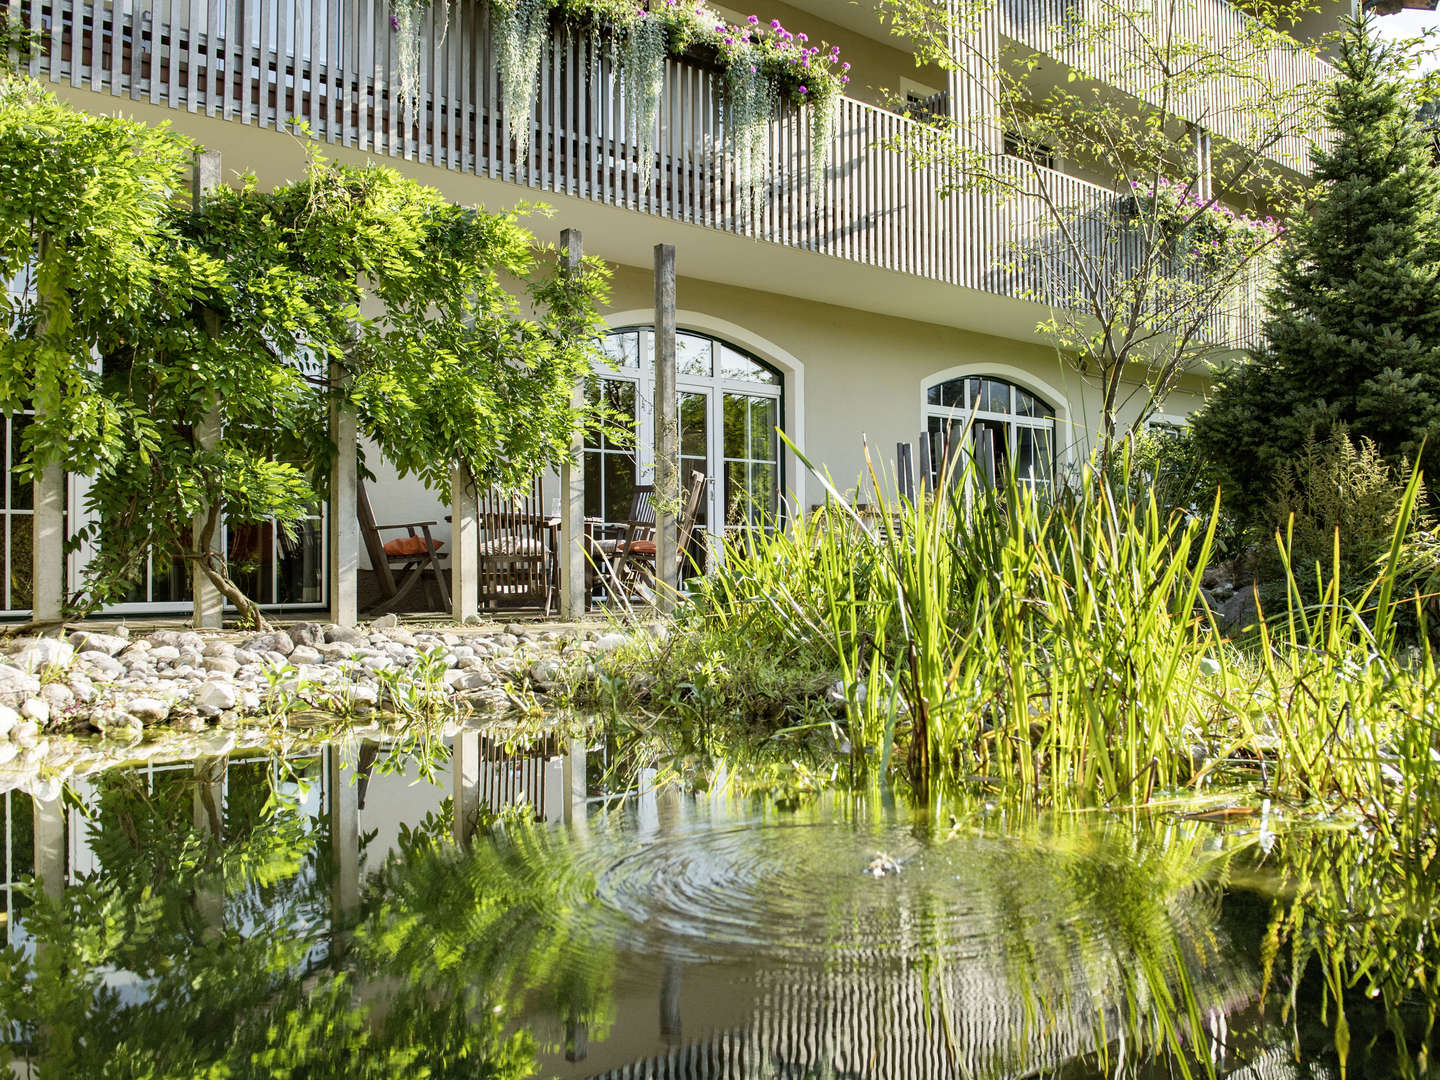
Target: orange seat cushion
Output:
[
  {"x": 643, "y": 547},
  {"x": 409, "y": 545}
]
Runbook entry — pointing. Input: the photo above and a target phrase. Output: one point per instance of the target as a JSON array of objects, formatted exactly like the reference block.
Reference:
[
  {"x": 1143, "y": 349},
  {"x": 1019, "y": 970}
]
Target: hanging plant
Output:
[
  {"x": 764, "y": 67},
  {"x": 642, "y": 79},
  {"x": 405, "y": 18},
  {"x": 749, "y": 105},
  {"x": 521, "y": 28}
]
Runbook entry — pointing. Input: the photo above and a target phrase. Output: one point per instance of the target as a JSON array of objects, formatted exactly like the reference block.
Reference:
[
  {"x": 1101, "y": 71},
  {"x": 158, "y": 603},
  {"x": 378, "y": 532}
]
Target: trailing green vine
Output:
[{"x": 763, "y": 66}]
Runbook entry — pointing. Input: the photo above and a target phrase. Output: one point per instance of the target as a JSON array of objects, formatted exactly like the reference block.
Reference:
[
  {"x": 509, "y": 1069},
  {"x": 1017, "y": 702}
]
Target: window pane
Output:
[
  {"x": 763, "y": 419},
  {"x": 594, "y": 494},
  {"x": 765, "y": 492},
  {"x": 619, "y": 486},
  {"x": 21, "y": 555},
  {"x": 250, "y": 550},
  {"x": 692, "y": 355},
  {"x": 620, "y": 398},
  {"x": 735, "y": 492},
  {"x": 736, "y": 365},
  {"x": 949, "y": 395},
  {"x": 994, "y": 396},
  {"x": 693, "y": 425},
  {"x": 736, "y": 412},
  {"x": 299, "y": 569},
  {"x": 21, "y": 493},
  {"x": 623, "y": 349},
  {"x": 171, "y": 583}
]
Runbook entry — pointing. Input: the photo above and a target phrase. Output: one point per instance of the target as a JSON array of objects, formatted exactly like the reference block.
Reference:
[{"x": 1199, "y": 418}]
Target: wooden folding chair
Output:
[
  {"x": 411, "y": 555},
  {"x": 517, "y": 550}
]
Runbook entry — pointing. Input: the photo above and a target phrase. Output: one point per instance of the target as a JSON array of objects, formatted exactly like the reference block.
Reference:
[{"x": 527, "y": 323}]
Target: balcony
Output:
[{"x": 330, "y": 64}]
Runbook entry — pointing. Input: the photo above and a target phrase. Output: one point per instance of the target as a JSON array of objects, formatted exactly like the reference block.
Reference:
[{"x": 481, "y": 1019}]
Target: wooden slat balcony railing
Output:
[{"x": 331, "y": 65}]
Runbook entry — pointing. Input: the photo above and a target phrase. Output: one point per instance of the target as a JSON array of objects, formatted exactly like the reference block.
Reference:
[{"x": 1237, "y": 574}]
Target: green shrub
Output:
[{"x": 1336, "y": 490}]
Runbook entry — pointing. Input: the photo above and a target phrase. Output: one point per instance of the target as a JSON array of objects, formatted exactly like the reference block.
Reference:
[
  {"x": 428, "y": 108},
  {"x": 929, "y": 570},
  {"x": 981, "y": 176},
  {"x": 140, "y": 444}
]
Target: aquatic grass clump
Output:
[{"x": 1061, "y": 646}]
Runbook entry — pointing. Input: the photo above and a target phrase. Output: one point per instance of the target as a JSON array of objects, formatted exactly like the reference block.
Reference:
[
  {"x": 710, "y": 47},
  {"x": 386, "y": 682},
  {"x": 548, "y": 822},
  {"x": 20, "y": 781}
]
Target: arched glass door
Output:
[
  {"x": 1016, "y": 426},
  {"x": 730, "y": 404}
]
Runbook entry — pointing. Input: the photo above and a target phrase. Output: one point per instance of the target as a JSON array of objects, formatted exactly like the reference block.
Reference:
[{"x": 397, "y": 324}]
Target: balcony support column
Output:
[
  {"x": 464, "y": 545},
  {"x": 667, "y": 433},
  {"x": 209, "y": 605},
  {"x": 344, "y": 522},
  {"x": 572, "y": 481}
]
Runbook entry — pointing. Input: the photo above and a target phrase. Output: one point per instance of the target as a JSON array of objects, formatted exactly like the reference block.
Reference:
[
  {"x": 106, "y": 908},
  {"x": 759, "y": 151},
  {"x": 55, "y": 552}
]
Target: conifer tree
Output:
[{"x": 1353, "y": 323}]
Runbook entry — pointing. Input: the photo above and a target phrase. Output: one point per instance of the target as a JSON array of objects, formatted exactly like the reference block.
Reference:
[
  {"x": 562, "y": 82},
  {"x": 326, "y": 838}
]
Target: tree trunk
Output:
[{"x": 213, "y": 565}]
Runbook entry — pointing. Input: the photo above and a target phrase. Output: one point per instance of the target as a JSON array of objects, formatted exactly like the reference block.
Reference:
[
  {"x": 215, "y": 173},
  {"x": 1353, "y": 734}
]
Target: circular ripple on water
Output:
[{"x": 787, "y": 888}]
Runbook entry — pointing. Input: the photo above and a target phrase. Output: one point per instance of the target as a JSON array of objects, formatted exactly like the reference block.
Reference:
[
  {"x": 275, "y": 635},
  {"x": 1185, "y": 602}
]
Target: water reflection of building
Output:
[{"x": 54, "y": 838}]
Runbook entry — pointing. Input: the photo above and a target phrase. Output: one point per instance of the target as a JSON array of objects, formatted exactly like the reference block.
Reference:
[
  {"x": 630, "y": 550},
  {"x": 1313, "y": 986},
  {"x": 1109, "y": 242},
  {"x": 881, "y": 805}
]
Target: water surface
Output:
[{"x": 348, "y": 911}]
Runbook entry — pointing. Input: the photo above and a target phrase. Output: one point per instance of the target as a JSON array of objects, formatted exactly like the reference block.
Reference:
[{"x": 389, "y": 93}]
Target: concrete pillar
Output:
[
  {"x": 208, "y": 603},
  {"x": 50, "y": 862},
  {"x": 343, "y": 806},
  {"x": 465, "y": 785},
  {"x": 48, "y": 557},
  {"x": 667, "y": 433},
  {"x": 572, "y": 483},
  {"x": 464, "y": 545},
  {"x": 575, "y": 792},
  {"x": 344, "y": 523},
  {"x": 208, "y": 810}
]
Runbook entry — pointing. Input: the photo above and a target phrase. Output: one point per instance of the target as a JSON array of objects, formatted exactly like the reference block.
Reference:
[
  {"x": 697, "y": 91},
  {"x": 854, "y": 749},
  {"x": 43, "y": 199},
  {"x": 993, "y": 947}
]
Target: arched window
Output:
[
  {"x": 1017, "y": 425},
  {"x": 731, "y": 403}
]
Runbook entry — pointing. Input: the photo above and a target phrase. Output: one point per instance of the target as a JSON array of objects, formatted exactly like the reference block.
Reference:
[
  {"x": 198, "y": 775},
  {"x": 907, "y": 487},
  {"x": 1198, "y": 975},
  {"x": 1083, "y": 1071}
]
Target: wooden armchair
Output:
[
  {"x": 632, "y": 558},
  {"x": 517, "y": 544},
  {"x": 411, "y": 555}
]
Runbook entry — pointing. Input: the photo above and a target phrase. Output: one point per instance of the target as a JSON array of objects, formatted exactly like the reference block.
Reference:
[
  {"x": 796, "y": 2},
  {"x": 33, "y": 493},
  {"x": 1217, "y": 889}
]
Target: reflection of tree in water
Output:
[{"x": 193, "y": 955}]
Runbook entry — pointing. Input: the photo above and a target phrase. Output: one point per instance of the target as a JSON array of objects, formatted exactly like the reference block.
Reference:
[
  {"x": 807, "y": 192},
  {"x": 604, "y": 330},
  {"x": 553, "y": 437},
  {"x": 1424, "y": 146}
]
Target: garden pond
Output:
[{"x": 359, "y": 909}]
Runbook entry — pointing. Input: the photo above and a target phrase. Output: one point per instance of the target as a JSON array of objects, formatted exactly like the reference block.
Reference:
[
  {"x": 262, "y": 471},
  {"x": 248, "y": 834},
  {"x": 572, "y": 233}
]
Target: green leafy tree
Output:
[
  {"x": 1353, "y": 327},
  {"x": 143, "y": 326},
  {"x": 1190, "y": 154}
]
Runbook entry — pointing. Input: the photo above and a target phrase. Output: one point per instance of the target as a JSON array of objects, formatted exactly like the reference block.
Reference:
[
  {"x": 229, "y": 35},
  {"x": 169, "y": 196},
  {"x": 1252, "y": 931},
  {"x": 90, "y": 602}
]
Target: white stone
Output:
[
  {"x": 8, "y": 719},
  {"x": 305, "y": 654},
  {"x": 219, "y": 648},
  {"x": 608, "y": 643},
  {"x": 364, "y": 694},
  {"x": 82, "y": 688},
  {"x": 25, "y": 733},
  {"x": 378, "y": 663},
  {"x": 109, "y": 644},
  {"x": 8, "y": 752},
  {"x": 36, "y": 709},
  {"x": 217, "y": 695},
  {"x": 190, "y": 658},
  {"x": 59, "y": 696},
  {"x": 147, "y": 709},
  {"x": 44, "y": 653},
  {"x": 165, "y": 654},
  {"x": 221, "y": 665}
]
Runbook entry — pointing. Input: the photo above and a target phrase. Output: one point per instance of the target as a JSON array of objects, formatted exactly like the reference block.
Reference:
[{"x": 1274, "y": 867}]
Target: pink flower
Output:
[
  {"x": 845, "y": 66},
  {"x": 844, "y": 79},
  {"x": 774, "y": 24},
  {"x": 753, "y": 19},
  {"x": 804, "y": 90},
  {"x": 802, "y": 37}
]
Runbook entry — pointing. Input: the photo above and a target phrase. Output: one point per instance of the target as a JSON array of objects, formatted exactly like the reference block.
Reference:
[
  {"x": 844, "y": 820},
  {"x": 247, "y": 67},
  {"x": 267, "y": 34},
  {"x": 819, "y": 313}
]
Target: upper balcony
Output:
[{"x": 331, "y": 64}]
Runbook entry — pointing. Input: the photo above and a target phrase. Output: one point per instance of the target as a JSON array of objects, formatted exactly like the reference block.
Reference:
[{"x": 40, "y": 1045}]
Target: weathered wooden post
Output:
[
  {"x": 50, "y": 861},
  {"x": 465, "y": 545},
  {"x": 47, "y": 537},
  {"x": 343, "y": 799},
  {"x": 344, "y": 524},
  {"x": 208, "y": 813},
  {"x": 209, "y": 604},
  {"x": 572, "y": 482},
  {"x": 667, "y": 433},
  {"x": 465, "y": 790}
]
